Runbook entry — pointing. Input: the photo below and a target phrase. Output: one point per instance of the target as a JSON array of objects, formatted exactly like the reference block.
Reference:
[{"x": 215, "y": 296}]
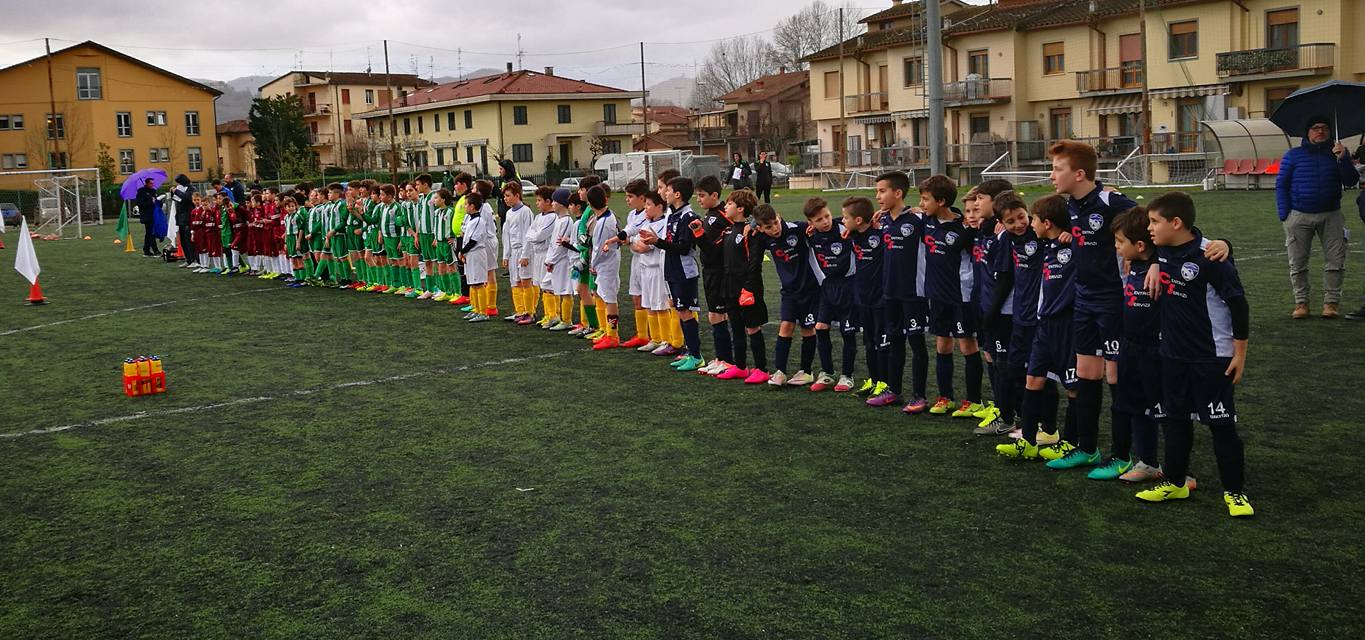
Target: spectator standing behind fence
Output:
[
  {"x": 739, "y": 172},
  {"x": 763, "y": 178},
  {"x": 1308, "y": 197}
]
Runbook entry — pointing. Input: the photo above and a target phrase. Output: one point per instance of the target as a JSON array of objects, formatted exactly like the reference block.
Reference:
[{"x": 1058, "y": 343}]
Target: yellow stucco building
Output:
[{"x": 145, "y": 116}]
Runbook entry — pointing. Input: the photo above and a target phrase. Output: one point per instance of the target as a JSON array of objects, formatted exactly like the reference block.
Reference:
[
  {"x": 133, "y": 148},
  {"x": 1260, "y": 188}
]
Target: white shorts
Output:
[
  {"x": 654, "y": 294},
  {"x": 477, "y": 264},
  {"x": 533, "y": 271},
  {"x": 561, "y": 282},
  {"x": 609, "y": 281},
  {"x": 637, "y": 274}
]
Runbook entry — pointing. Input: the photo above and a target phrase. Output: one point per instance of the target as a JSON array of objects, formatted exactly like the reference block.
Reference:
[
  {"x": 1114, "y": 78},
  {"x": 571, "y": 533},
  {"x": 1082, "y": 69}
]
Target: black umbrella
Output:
[{"x": 1343, "y": 102}]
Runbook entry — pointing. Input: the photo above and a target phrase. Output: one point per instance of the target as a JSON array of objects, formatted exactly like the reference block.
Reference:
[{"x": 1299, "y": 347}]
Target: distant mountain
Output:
[{"x": 476, "y": 73}]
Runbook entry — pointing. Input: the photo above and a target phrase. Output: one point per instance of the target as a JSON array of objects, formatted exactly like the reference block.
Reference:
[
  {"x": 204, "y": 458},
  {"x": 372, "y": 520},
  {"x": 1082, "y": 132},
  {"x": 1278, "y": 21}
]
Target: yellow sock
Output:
[
  {"x": 566, "y": 309},
  {"x": 551, "y": 303},
  {"x": 582, "y": 312},
  {"x": 532, "y": 297},
  {"x": 675, "y": 325},
  {"x": 653, "y": 320},
  {"x": 518, "y": 300},
  {"x": 642, "y": 328},
  {"x": 490, "y": 300},
  {"x": 601, "y": 308}
]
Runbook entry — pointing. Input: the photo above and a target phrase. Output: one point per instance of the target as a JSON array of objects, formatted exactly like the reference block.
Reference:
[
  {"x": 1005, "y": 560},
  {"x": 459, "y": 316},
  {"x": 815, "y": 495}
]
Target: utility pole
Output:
[
  {"x": 933, "y": 27},
  {"x": 1146, "y": 96},
  {"x": 393, "y": 126},
  {"x": 520, "y": 53},
  {"x": 644, "y": 110},
  {"x": 51, "y": 120},
  {"x": 841, "y": 143}
]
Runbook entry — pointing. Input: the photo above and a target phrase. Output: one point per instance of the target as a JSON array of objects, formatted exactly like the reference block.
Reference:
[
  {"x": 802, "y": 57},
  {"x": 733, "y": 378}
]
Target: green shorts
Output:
[
  {"x": 391, "y": 248},
  {"x": 409, "y": 247},
  {"x": 372, "y": 242},
  {"x": 291, "y": 246},
  {"x": 315, "y": 244},
  {"x": 424, "y": 241},
  {"x": 339, "y": 247},
  {"x": 444, "y": 253}
]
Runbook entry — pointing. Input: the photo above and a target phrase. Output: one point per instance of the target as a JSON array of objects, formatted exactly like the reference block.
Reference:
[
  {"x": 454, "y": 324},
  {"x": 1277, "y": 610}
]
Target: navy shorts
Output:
[
  {"x": 1201, "y": 390},
  {"x": 952, "y": 320},
  {"x": 994, "y": 337},
  {"x": 684, "y": 295},
  {"x": 1021, "y": 344},
  {"x": 1053, "y": 355},
  {"x": 905, "y": 317},
  {"x": 753, "y": 316},
  {"x": 836, "y": 300},
  {"x": 1139, "y": 380},
  {"x": 800, "y": 308},
  {"x": 869, "y": 320},
  {"x": 713, "y": 283},
  {"x": 1096, "y": 331}
]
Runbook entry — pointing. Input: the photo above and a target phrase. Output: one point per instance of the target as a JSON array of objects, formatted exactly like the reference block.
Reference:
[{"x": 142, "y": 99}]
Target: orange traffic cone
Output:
[
  {"x": 35, "y": 295},
  {"x": 179, "y": 251}
]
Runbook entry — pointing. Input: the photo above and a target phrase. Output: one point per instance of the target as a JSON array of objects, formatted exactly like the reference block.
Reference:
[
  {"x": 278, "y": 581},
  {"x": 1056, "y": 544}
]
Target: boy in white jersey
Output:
[{"x": 515, "y": 227}]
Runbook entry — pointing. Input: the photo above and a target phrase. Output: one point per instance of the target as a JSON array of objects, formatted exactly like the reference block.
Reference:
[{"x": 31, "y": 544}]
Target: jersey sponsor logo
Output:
[
  {"x": 1030, "y": 247},
  {"x": 791, "y": 241},
  {"x": 951, "y": 237},
  {"x": 1064, "y": 256},
  {"x": 1189, "y": 271},
  {"x": 1096, "y": 221}
]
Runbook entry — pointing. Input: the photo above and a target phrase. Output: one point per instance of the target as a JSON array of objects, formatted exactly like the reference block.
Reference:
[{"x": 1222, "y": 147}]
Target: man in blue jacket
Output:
[{"x": 1308, "y": 196}]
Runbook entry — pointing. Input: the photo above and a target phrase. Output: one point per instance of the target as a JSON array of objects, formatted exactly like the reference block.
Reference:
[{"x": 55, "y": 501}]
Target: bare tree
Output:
[
  {"x": 358, "y": 152},
  {"x": 730, "y": 65},
  {"x": 814, "y": 27}
]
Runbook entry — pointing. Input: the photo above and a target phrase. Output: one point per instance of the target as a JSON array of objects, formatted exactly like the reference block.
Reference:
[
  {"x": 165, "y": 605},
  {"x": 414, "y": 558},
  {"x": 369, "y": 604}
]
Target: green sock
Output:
[
  {"x": 417, "y": 279},
  {"x": 591, "y": 311},
  {"x": 394, "y": 278}
]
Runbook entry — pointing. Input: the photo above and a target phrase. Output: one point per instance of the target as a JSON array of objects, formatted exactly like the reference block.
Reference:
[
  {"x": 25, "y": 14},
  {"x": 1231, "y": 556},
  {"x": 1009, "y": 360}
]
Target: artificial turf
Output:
[{"x": 335, "y": 464}]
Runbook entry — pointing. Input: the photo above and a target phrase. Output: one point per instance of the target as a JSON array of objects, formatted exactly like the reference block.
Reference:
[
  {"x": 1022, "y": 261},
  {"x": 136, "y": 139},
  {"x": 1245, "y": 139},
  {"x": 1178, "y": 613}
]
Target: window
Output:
[
  {"x": 522, "y": 152},
  {"x": 469, "y": 154},
  {"x": 979, "y": 124},
  {"x": 978, "y": 62},
  {"x": 191, "y": 123},
  {"x": 914, "y": 72},
  {"x": 450, "y": 120},
  {"x": 1060, "y": 122},
  {"x": 1274, "y": 96},
  {"x": 468, "y": 119},
  {"x": 125, "y": 161},
  {"x": 56, "y": 160},
  {"x": 346, "y": 126},
  {"x": 1054, "y": 58},
  {"x": 1282, "y": 29},
  {"x": 156, "y": 118},
  {"x": 345, "y": 96},
  {"x": 195, "y": 158},
  {"x": 440, "y": 157},
  {"x": 519, "y": 115},
  {"x": 407, "y": 126},
  {"x": 7, "y": 161},
  {"x": 1188, "y": 113},
  {"x": 565, "y": 113},
  {"x": 21, "y": 161},
  {"x": 123, "y": 122},
  {"x": 4, "y": 123},
  {"x": 154, "y": 154},
  {"x": 1184, "y": 39},
  {"x": 831, "y": 85},
  {"x": 369, "y": 96},
  {"x": 16, "y": 122},
  {"x": 56, "y": 127},
  {"x": 436, "y": 123},
  {"x": 609, "y": 113},
  {"x": 611, "y": 146},
  {"x": 420, "y": 120},
  {"x": 88, "y": 84}
]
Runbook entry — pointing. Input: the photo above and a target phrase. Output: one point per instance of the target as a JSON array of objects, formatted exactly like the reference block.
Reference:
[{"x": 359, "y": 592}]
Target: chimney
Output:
[
  {"x": 509, "y": 67},
  {"x": 549, "y": 71}
]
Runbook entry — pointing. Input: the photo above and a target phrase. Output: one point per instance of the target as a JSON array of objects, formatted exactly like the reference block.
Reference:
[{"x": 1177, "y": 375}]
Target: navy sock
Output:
[
  {"x": 759, "y": 349},
  {"x": 737, "y": 345},
  {"x": 1144, "y": 439},
  {"x": 807, "y": 352},
  {"x": 874, "y": 368},
  {"x": 783, "y": 353},
  {"x": 919, "y": 366},
  {"x": 720, "y": 337},
  {"x": 1031, "y": 411},
  {"x": 822, "y": 339},
  {"x": 1087, "y": 420},
  {"x": 1120, "y": 427},
  {"x": 943, "y": 370},
  {"x": 1050, "y": 403},
  {"x": 692, "y": 337},
  {"x": 1073, "y": 415},
  {"x": 850, "y": 351},
  {"x": 993, "y": 378},
  {"x": 895, "y": 364},
  {"x": 973, "y": 373}
]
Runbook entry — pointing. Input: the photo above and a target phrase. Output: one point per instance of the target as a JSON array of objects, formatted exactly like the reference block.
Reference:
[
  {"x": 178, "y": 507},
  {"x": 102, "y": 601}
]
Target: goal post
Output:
[{"x": 58, "y": 202}]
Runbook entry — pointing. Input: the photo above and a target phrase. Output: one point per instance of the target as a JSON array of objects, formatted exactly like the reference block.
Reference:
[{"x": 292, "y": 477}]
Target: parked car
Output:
[
  {"x": 781, "y": 173},
  {"x": 569, "y": 183},
  {"x": 528, "y": 188},
  {"x": 10, "y": 213}
]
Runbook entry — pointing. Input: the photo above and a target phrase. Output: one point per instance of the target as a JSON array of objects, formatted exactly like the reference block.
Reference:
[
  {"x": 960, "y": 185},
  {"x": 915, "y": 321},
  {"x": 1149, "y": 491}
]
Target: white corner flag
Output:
[{"x": 25, "y": 260}]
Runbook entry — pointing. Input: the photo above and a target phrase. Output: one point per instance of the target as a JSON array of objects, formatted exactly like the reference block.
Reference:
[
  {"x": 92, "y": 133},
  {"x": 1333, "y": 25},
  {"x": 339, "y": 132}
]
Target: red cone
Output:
[{"x": 35, "y": 295}]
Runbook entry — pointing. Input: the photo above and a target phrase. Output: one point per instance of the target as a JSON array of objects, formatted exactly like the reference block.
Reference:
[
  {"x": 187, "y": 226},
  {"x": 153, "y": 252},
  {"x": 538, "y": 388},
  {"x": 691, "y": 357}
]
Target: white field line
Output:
[
  {"x": 131, "y": 309},
  {"x": 284, "y": 395}
]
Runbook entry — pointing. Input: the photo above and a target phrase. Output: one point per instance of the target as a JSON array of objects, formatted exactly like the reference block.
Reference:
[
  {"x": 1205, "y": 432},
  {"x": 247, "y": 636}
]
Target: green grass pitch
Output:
[{"x": 335, "y": 464}]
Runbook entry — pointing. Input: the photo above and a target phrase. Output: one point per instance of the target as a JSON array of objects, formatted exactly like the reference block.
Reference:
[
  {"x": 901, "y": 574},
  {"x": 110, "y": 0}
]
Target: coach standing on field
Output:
[
  {"x": 763, "y": 178},
  {"x": 1308, "y": 196},
  {"x": 182, "y": 196}
]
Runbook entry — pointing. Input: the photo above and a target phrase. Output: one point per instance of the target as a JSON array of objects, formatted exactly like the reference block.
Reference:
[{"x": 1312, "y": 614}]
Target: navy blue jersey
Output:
[
  {"x": 833, "y": 254},
  {"x": 1196, "y": 324},
  {"x": 867, "y": 253},
  {"x": 1026, "y": 252},
  {"x": 902, "y": 260},
  {"x": 1057, "y": 293},
  {"x": 1098, "y": 281},
  {"x": 713, "y": 226},
  {"x": 1141, "y": 323},
  {"x": 948, "y": 273},
  {"x": 791, "y": 256},
  {"x": 679, "y": 245},
  {"x": 985, "y": 258}
]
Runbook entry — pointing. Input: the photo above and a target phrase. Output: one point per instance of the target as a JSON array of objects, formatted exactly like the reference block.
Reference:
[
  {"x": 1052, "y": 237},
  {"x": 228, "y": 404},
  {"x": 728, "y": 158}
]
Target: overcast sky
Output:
[{"x": 590, "y": 39}]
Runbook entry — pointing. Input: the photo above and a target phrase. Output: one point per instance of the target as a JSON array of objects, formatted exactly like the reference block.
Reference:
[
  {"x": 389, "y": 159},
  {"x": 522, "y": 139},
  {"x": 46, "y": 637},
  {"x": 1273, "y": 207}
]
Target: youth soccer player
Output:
[
  {"x": 514, "y": 229},
  {"x": 475, "y": 254},
  {"x": 680, "y": 268},
  {"x": 866, "y": 239},
  {"x": 790, "y": 249},
  {"x": 654, "y": 292},
  {"x": 559, "y": 259},
  {"x": 833, "y": 268},
  {"x": 635, "y": 219},
  {"x": 743, "y": 280},
  {"x": 1205, "y": 324},
  {"x": 905, "y": 312},
  {"x": 949, "y": 283},
  {"x": 1012, "y": 311},
  {"x": 537, "y": 243},
  {"x": 709, "y": 229},
  {"x": 605, "y": 266},
  {"x": 988, "y": 252}
]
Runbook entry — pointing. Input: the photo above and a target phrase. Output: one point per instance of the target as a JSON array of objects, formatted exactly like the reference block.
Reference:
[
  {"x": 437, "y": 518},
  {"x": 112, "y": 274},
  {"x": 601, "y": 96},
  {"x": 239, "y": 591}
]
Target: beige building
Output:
[
  {"x": 237, "y": 149},
  {"x": 1021, "y": 73},
  {"x": 332, "y": 102},
  {"x": 525, "y": 116},
  {"x": 140, "y": 115}
]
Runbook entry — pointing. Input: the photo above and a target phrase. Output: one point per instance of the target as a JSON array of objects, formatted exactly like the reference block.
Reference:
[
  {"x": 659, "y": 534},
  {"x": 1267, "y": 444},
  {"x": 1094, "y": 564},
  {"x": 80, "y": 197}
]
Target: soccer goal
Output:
[{"x": 56, "y": 202}]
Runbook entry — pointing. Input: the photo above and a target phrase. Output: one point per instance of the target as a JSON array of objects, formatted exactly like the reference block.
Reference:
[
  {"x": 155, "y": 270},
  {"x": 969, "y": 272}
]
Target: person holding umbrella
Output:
[
  {"x": 1308, "y": 198},
  {"x": 146, "y": 208}
]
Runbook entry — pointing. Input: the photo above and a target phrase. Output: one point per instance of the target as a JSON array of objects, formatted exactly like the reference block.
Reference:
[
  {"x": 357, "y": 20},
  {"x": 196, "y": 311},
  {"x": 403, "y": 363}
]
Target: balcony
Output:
[
  {"x": 603, "y": 128},
  {"x": 865, "y": 103},
  {"x": 320, "y": 139},
  {"x": 1122, "y": 79},
  {"x": 317, "y": 109},
  {"x": 978, "y": 91},
  {"x": 1261, "y": 64}
]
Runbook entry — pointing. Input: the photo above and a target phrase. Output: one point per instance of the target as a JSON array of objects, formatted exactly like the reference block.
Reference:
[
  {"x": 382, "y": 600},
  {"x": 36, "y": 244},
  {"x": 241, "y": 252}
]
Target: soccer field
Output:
[{"x": 335, "y": 464}]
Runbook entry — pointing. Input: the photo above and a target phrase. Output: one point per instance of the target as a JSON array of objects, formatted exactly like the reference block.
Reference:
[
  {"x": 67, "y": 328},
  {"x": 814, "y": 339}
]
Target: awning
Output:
[
  {"x": 1196, "y": 91},
  {"x": 1110, "y": 105},
  {"x": 474, "y": 143},
  {"x": 882, "y": 119},
  {"x": 911, "y": 115}
]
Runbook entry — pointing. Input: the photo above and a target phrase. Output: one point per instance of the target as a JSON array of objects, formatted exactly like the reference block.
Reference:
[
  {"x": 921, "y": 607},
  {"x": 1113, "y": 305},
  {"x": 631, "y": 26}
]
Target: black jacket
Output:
[
  {"x": 183, "y": 197},
  {"x": 146, "y": 204},
  {"x": 763, "y": 173}
]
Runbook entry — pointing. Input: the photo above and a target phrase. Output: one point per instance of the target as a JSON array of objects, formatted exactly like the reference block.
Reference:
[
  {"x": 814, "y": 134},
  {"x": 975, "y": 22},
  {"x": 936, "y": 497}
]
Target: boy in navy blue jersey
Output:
[
  {"x": 680, "y": 268},
  {"x": 905, "y": 312},
  {"x": 987, "y": 249},
  {"x": 834, "y": 266},
  {"x": 948, "y": 275},
  {"x": 708, "y": 229},
  {"x": 861, "y": 222},
  {"x": 1139, "y": 398},
  {"x": 744, "y": 290},
  {"x": 1205, "y": 323},
  {"x": 1051, "y": 356},
  {"x": 800, "y": 291},
  {"x": 1013, "y": 308}
]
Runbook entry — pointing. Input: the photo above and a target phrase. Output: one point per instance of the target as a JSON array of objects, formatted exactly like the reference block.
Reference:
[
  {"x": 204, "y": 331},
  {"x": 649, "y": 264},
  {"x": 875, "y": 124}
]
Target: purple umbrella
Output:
[{"x": 135, "y": 182}]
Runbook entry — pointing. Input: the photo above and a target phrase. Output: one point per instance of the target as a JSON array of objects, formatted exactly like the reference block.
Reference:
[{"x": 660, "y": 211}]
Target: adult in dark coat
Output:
[
  {"x": 739, "y": 172},
  {"x": 763, "y": 178},
  {"x": 146, "y": 207},
  {"x": 182, "y": 198}
]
